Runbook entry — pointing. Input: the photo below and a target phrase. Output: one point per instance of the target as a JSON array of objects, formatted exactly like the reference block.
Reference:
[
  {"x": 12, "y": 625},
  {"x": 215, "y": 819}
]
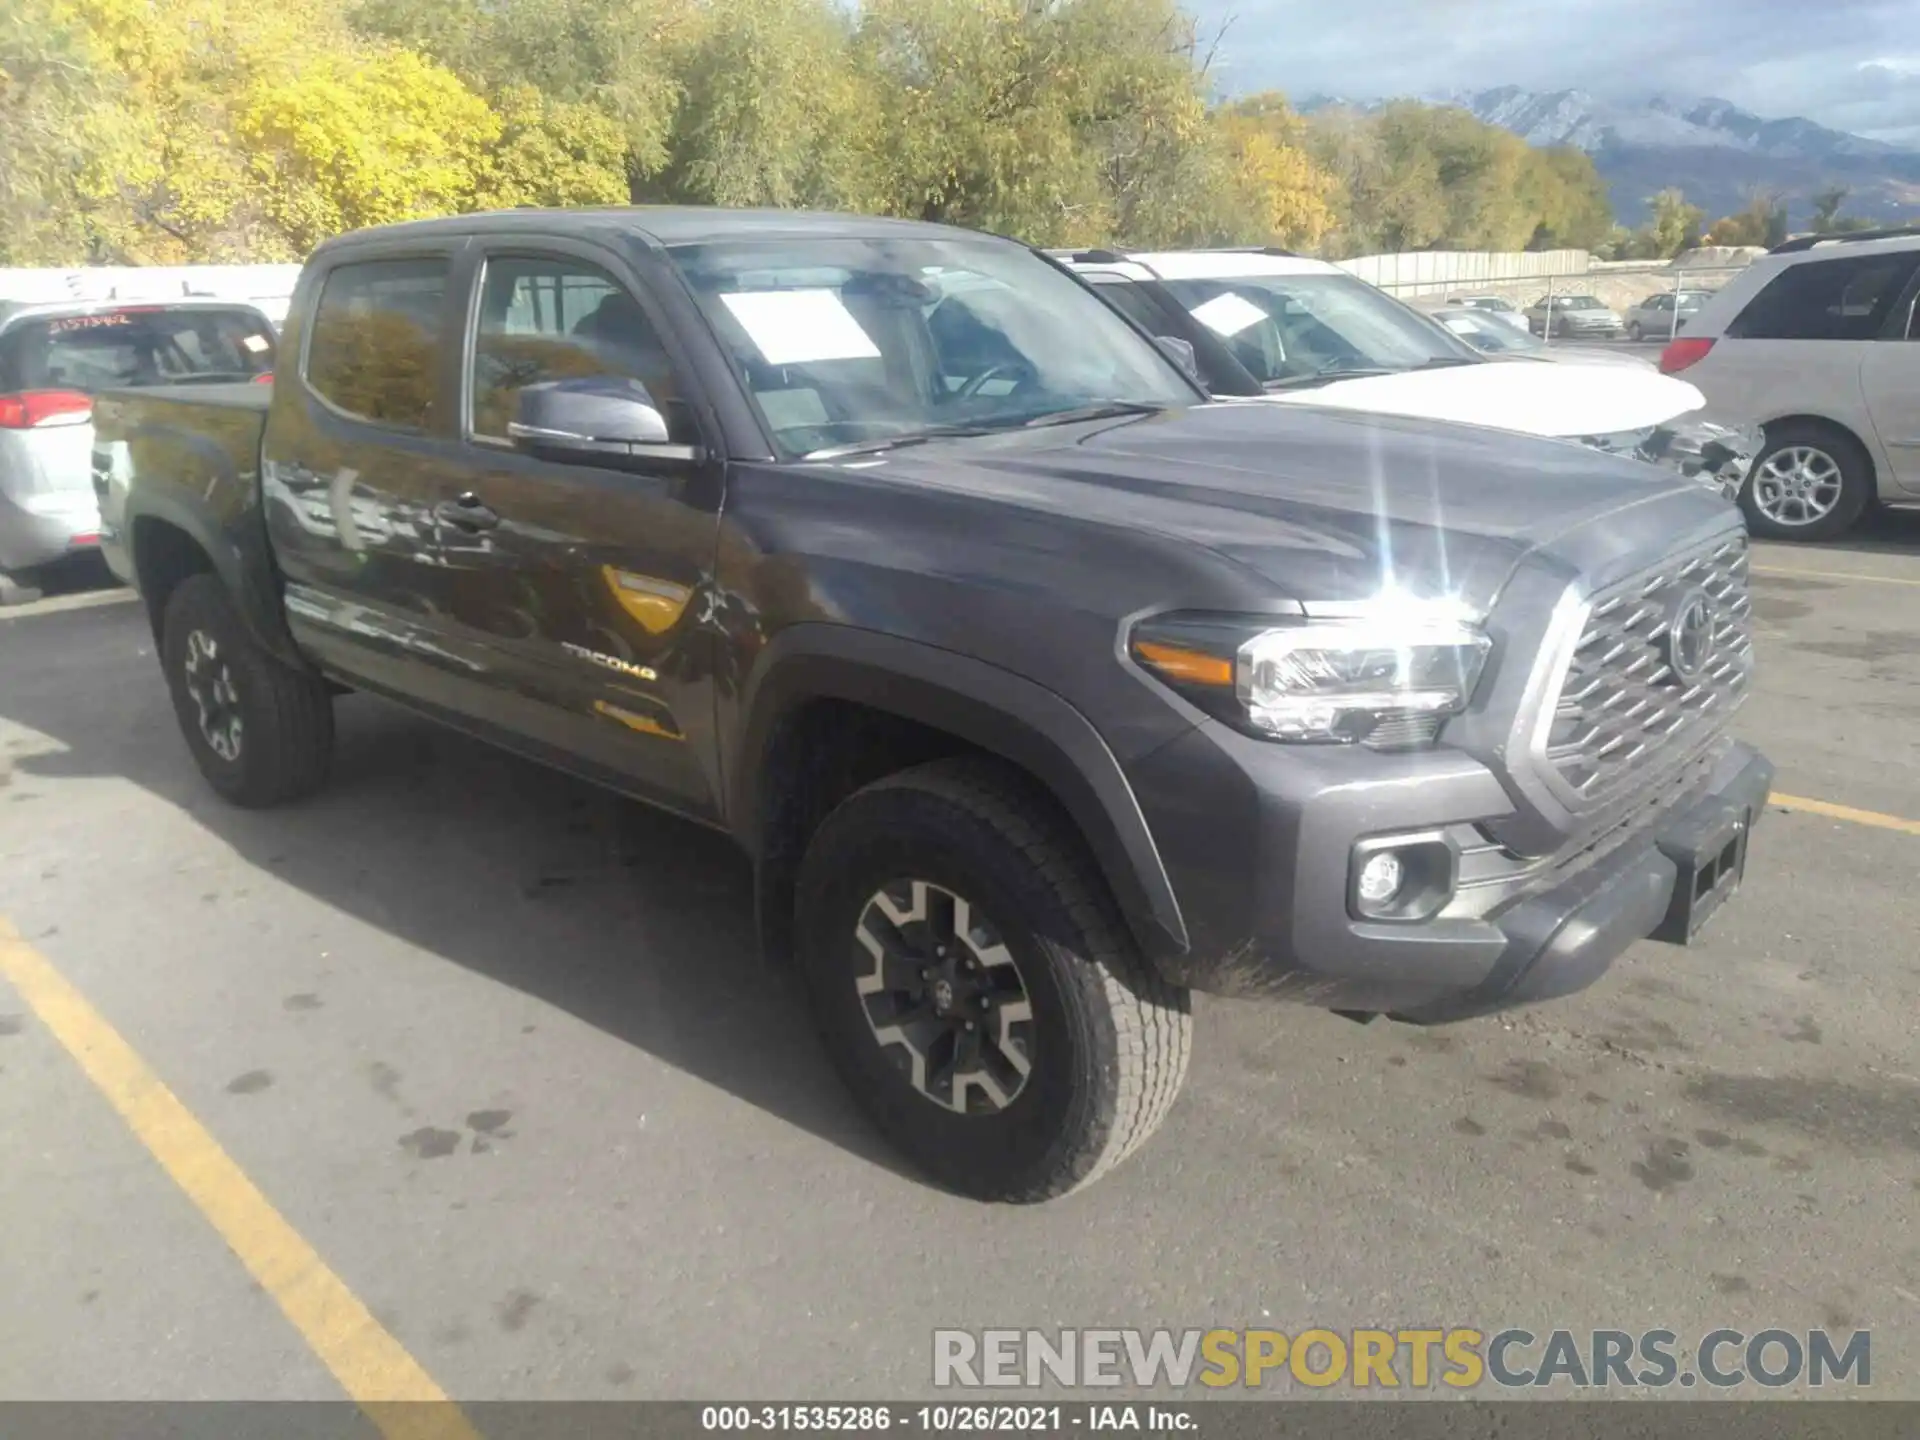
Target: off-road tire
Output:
[
  {"x": 1111, "y": 1038},
  {"x": 286, "y": 714}
]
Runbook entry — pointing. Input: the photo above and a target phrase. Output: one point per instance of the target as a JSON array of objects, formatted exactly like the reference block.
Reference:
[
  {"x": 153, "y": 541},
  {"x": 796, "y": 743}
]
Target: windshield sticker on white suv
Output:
[
  {"x": 798, "y": 327},
  {"x": 1228, "y": 314}
]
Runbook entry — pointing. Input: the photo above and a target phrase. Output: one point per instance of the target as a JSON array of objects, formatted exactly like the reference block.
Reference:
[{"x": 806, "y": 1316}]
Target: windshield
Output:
[
  {"x": 1492, "y": 337},
  {"x": 1294, "y": 329},
  {"x": 849, "y": 341},
  {"x": 133, "y": 347},
  {"x": 1579, "y": 302}
]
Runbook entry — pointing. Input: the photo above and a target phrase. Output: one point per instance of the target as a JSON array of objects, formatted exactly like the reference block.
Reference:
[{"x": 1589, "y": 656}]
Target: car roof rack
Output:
[{"x": 1847, "y": 237}]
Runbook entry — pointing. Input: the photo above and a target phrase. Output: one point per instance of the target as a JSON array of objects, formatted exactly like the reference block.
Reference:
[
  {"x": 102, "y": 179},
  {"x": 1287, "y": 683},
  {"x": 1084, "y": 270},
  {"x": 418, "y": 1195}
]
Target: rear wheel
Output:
[
  {"x": 1811, "y": 482},
  {"x": 976, "y": 988},
  {"x": 260, "y": 730}
]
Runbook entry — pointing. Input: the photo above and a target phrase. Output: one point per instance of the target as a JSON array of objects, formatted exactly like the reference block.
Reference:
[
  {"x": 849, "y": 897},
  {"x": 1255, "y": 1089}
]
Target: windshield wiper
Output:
[
  {"x": 897, "y": 442},
  {"x": 1105, "y": 410}
]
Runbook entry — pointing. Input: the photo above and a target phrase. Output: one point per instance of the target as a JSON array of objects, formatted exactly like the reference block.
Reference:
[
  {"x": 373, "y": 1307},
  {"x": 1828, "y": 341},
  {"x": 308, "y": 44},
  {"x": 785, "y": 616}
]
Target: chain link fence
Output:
[{"x": 1624, "y": 289}]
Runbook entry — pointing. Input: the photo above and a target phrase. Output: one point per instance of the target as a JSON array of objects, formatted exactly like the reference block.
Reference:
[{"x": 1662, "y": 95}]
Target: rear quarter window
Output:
[
  {"x": 1826, "y": 300},
  {"x": 375, "y": 347}
]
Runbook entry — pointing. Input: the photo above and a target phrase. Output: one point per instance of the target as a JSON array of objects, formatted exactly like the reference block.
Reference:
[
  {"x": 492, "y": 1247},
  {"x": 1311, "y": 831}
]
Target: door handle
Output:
[{"x": 466, "y": 513}]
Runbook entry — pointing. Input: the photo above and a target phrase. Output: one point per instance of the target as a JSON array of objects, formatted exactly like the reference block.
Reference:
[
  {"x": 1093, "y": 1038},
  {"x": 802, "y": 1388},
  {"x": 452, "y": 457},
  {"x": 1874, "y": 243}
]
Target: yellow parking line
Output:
[
  {"x": 1832, "y": 575},
  {"x": 370, "y": 1364},
  {"x": 1847, "y": 812}
]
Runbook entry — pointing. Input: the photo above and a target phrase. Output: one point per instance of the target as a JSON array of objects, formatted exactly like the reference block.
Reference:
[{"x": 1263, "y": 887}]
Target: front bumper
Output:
[{"x": 1257, "y": 839}]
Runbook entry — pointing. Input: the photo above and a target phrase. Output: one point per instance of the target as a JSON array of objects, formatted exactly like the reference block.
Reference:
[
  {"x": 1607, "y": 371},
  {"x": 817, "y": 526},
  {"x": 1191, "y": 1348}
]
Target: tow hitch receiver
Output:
[{"x": 1708, "y": 847}]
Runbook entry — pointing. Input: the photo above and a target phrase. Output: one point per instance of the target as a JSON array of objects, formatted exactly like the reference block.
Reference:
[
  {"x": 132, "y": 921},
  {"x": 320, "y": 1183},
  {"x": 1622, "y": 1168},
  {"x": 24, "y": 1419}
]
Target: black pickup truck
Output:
[{"x": 1041, "y": 690}]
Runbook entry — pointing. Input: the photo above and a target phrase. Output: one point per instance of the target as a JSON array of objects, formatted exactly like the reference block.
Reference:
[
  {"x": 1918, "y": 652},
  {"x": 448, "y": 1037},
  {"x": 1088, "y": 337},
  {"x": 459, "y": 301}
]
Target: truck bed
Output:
[{"x": 193, "y": 446}]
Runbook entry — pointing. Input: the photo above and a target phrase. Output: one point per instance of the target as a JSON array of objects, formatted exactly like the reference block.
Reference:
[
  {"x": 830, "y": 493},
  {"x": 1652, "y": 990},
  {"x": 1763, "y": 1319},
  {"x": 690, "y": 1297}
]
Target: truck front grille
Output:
[{"x": 1644, "y": 690}]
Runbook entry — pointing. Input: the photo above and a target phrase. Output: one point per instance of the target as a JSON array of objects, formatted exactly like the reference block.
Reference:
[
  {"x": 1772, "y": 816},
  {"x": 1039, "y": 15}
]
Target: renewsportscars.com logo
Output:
[{"x": 1380, "y": 1359}]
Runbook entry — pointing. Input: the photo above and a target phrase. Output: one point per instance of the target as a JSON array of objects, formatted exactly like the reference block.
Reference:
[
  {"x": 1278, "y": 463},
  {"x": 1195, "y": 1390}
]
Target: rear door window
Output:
[
  {"x": 135, "y": 346},
  {"x": 1826, "y": 300},
  {"x": 375, "y": 348}
]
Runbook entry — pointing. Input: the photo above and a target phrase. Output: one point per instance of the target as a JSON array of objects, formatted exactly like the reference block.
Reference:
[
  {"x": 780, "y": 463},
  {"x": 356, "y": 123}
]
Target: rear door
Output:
[
  {"x": 582, "y": 587},
  {"x": 361, "y": 445},
  {"x": 1890, "y": 380}
]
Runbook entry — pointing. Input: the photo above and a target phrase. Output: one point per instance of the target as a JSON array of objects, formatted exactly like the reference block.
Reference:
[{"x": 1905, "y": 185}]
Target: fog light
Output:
[
  {"x": 1403, "y": 879},
  {"x": 1380, "y": 879}
]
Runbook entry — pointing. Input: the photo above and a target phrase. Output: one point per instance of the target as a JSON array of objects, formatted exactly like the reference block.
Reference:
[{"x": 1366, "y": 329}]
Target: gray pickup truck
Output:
[{"x": 1041, "y": 690}]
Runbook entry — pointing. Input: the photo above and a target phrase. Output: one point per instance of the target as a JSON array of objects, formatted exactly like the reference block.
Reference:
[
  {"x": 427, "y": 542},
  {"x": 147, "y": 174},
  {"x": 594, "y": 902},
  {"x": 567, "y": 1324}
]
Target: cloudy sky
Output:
[{"x": 1851, "y": 64}]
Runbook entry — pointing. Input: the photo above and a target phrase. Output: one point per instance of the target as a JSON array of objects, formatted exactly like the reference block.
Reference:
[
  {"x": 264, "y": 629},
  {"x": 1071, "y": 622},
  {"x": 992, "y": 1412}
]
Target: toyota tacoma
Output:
[{"x": 1040, "y": 689}]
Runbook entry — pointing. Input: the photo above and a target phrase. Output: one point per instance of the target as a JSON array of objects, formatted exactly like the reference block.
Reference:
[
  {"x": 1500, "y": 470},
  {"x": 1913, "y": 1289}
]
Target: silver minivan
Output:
[
  {"x": 54, "y": 358},
  {"x": 1819, "y": 343}
]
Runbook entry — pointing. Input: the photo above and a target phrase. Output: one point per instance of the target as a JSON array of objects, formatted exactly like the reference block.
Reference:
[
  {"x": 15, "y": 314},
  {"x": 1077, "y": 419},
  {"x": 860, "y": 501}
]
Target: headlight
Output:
[{"x": 1383, "y": 675}]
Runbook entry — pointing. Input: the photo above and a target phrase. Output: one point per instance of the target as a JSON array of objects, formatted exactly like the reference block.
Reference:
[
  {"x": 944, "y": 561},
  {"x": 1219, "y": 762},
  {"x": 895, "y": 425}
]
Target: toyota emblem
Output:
[{"x": 1690, "y": 636}]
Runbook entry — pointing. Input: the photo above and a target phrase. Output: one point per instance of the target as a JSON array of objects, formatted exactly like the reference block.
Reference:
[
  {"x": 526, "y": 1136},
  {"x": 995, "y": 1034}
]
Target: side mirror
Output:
[
  {"x": 598, "y": 420},
  {"x": 1181, "y": 352}
]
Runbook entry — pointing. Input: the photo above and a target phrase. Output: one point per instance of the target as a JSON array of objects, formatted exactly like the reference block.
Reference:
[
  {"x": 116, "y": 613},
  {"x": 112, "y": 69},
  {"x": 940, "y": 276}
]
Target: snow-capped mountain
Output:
[
  {"x": 1714, "y": 150},
  {"x": 1573, "y": 117}
]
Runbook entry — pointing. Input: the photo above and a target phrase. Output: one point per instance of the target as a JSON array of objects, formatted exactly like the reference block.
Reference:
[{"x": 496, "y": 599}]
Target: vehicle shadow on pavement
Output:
[
  {"x": 635, "y": 922},
  {"x": 1882, "y": 532}
]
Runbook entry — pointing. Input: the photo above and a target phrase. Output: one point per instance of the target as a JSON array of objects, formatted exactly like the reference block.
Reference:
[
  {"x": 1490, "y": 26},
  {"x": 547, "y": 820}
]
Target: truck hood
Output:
[
  {"x": 1313, "y": 503},
  {"x": 1555, "y": 400}
]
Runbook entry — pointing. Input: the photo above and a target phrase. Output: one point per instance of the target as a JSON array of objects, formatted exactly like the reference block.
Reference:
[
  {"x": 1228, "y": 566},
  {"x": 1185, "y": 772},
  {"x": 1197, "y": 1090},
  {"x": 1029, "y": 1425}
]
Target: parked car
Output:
[
  {"x": 1296, "y": 331},
  {"x": 1487, "y": 335},
  {"x": 1816, "y": 343},
  {"x": 54, "y": 358},
  {"x": 1040, "y": 690},
  {"x": 1575, "y": 315},
  {"x": 1662, "y": 316},
  {"x": 1498, "y": 306}
]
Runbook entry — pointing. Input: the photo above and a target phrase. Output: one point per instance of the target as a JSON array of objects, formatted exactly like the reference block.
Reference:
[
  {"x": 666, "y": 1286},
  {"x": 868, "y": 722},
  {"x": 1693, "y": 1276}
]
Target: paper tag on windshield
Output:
[
  {"x": 797, "y": 327},
  {"x": 1228, "y": 314},
  {"x": 255, "y": 343}
]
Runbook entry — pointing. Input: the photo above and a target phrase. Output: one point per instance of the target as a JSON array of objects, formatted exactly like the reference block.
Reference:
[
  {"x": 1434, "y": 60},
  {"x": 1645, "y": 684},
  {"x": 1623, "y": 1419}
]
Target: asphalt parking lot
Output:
[{"x": 496, "y": 1053}]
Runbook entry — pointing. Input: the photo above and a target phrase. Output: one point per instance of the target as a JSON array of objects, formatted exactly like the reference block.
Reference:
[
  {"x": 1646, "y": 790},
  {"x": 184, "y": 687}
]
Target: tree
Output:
[
  {"x": 1284, "y": 195},
  {"x": 1762, "y": 222},
  {"x": 1826, "y": 206},
  {"x": 552, "y": 152},
  {"x": 771, "y": 111},
  {"x": 364, "y": 140},
  {"x": 55, "y": 107},
  {"x": 615, "y": 55}
]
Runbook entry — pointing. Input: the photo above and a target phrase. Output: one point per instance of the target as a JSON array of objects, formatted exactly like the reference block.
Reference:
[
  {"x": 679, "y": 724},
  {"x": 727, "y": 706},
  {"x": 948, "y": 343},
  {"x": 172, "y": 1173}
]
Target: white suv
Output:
[{"x": 1819, "y": 343}]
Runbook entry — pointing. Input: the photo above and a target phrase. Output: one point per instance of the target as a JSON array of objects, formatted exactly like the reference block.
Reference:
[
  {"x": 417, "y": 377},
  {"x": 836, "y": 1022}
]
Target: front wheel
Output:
[
  {"x": 1811, "y": 482},
  {"x": 976, "y": 988},
  {"x": 1635, "y": 333},
  {"x": 260, "y": 730}
]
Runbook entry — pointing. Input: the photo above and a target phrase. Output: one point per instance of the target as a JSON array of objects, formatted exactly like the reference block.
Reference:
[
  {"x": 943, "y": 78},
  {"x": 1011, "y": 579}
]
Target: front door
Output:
[{"x": 582, "y": 588}]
